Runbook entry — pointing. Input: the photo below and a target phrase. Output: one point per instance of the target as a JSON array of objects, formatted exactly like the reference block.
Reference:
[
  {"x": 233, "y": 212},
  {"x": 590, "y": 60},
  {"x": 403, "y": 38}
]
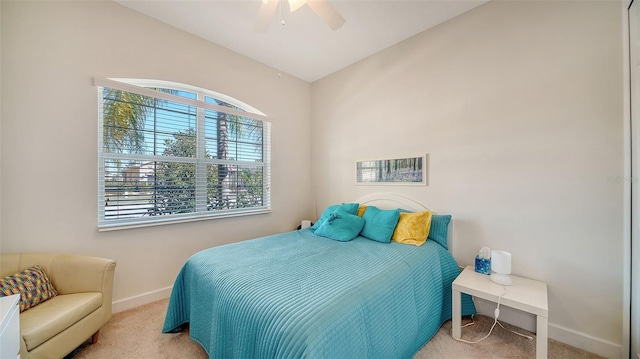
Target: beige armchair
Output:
[{"x": 56, "y": 327}]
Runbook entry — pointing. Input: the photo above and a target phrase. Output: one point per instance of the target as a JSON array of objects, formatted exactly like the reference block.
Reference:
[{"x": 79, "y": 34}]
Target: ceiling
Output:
[{"x": 305, "y": 47}]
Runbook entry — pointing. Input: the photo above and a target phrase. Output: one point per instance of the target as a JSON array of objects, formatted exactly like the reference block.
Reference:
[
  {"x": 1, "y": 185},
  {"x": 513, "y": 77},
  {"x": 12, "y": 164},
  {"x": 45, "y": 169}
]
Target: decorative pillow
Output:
[
  {"x": 379, "y": 224},
  {"x": 32, "y": 284},
  {"x": 341, "y": 226},
  {"x": 361, "y": 210},
  {"x": 348, "y": 207},
  {"x": 412, "y": 228},
  {"x": 439, "y": 229}
]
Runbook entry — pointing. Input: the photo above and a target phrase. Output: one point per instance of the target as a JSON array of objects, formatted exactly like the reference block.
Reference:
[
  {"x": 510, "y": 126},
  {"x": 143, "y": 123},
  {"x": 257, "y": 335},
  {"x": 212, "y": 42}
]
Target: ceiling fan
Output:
[{"x": 321, "y": 7}]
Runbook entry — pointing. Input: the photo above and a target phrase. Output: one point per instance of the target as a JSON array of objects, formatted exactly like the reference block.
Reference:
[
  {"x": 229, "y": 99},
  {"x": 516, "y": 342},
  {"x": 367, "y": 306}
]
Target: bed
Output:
[{"x": 300, "y": 295}]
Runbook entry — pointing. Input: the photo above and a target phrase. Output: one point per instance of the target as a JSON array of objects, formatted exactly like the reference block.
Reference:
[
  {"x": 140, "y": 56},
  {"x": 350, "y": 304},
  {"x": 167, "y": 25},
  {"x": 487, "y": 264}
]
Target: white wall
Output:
[
  {"x": 519, "y": 107},
  {"x": 51, "y": 51}
]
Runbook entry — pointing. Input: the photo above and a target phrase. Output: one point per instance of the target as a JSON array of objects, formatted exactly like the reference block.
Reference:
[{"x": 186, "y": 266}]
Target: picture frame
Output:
[{"x": 392, "y": 171}]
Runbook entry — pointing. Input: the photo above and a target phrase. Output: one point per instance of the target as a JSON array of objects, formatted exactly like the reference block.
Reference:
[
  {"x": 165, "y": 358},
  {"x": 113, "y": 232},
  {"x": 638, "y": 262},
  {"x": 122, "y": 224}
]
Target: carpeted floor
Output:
[{"x": 137, "y": 334}]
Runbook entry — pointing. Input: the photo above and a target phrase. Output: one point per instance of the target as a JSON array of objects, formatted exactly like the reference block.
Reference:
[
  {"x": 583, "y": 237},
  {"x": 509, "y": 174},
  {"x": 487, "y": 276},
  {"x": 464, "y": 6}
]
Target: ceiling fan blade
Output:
[
  {"x": 267, "y": 9},
  {"x": 296, "y": 4},
  {"x": 327, "y": 13}
]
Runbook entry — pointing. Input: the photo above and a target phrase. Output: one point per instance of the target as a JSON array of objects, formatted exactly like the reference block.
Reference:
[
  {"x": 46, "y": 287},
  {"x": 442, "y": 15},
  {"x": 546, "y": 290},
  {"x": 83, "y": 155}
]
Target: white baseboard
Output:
[
  {"x": 585, "y": 341},
  {"x": 568, "y": 336},
  {"x": 142, "y": 299}
]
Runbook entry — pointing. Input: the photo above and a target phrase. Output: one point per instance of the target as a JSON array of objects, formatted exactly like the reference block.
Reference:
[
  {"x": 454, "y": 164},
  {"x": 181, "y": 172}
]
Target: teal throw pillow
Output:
[
  {"x": 439, "y": 229},
  {"x": 379, "y": 224},
  {"x": 348, "y": 207},
  {"x": 341, "y": 226}
]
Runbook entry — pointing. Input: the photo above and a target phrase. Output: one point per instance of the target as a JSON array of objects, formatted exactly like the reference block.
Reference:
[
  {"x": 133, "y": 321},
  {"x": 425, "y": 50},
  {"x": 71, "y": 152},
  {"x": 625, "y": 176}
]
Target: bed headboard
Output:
[{"x": 394, "y": 200}]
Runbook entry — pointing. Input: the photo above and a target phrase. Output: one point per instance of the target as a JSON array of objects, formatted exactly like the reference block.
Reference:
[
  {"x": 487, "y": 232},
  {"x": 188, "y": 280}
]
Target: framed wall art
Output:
[{"x": 394, "y": 171}]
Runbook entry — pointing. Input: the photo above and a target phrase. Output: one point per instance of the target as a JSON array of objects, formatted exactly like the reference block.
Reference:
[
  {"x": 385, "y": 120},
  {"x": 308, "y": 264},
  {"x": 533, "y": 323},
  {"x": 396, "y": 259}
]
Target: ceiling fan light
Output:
[
  {"x": 321, "y": 7},
  {"x": 295, "y": 4}
]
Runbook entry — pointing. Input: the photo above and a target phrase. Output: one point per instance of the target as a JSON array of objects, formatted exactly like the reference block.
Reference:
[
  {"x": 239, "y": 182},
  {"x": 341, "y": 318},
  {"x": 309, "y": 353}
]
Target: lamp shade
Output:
[{"x": 500, "y": 267}]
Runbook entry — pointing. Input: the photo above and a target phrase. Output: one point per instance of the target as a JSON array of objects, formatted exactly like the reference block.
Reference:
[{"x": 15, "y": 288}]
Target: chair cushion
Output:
[{"x": 49, "y": 318}]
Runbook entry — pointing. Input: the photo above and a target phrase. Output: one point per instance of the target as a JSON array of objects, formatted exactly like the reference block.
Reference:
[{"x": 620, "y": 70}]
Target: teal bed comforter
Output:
[{"x": 298, "y": 295}]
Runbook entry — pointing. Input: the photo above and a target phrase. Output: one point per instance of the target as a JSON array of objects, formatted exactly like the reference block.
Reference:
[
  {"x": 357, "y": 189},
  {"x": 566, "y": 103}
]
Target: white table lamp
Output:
[{"x": 501, "y": 267}]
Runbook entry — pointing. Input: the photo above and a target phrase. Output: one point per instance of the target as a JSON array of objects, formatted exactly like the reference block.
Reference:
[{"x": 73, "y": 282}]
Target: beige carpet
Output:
[{"x": 137, "y": 334}]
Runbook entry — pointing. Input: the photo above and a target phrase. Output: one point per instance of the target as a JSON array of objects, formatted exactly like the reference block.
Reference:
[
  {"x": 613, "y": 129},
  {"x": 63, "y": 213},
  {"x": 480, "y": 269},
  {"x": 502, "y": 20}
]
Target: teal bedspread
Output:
[{"x": 297, "y": 295}]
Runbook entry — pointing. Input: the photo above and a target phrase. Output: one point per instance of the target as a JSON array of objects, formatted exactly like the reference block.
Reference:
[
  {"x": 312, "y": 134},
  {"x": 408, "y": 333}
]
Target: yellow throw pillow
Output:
[
  {"x": 361, "y": 210},
  {"x": 412, "y": 228}
]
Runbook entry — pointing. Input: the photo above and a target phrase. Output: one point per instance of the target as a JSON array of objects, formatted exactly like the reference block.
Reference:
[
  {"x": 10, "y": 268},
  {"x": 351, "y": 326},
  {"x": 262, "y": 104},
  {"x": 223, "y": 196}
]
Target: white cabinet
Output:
[{"x": 10, "y": 327}]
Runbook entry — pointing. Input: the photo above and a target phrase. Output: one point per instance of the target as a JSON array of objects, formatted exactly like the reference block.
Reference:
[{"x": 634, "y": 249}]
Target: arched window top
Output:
[{"x": 198, "y": 92}]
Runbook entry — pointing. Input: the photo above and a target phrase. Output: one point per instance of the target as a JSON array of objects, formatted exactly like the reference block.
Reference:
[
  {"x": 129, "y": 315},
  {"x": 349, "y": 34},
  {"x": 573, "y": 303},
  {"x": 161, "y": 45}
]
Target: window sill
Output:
[{"x": 104, "y": 227}]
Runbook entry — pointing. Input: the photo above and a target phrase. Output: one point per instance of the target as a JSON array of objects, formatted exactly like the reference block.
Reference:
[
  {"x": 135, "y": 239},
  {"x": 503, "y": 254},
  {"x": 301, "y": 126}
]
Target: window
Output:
[{"x": 171, "y": 152}]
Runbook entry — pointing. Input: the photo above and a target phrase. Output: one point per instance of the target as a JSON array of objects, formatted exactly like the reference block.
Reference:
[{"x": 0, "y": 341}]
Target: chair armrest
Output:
[{"x": 72, "y": 273}]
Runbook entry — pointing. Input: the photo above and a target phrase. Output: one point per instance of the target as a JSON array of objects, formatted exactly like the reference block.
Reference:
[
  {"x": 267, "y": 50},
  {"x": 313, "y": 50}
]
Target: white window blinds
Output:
[{"x": 178, "y": 153}]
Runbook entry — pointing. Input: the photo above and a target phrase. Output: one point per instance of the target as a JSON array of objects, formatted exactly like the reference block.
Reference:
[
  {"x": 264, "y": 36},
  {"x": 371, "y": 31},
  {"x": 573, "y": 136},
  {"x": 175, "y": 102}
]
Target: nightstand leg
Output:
[
  {"x": 542, "y": 329},
  {"x": 456, "y": 315}
]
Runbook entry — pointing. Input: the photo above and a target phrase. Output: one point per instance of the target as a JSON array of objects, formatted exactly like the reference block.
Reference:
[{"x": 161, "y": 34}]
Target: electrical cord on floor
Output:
[
  {"x": 514, "y": 332},
  {"x": 496, "y": 314}
]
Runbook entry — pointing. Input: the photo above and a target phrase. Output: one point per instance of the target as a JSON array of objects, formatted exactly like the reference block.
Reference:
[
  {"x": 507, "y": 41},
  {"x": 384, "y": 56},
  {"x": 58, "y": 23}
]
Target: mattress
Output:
[{"x": 298, "y": 295}]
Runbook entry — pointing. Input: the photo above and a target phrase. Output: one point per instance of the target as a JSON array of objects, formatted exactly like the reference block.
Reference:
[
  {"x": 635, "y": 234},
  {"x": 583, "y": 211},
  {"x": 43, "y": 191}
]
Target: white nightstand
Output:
[
  {"x": 10, "y": 327},
  {"x": 524, "y": 294}
]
